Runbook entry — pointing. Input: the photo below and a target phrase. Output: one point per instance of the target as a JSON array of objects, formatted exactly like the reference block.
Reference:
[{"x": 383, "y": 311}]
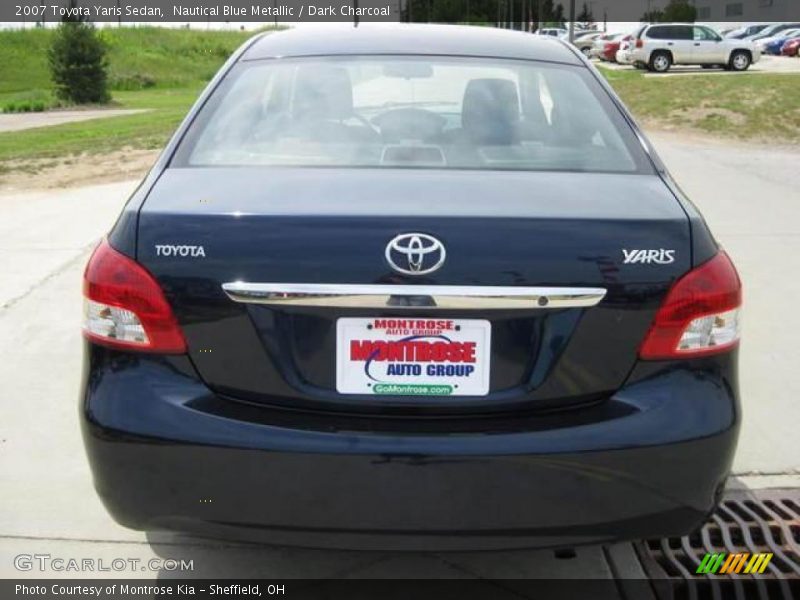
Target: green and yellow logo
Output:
[{"x": 722, "y": 563}]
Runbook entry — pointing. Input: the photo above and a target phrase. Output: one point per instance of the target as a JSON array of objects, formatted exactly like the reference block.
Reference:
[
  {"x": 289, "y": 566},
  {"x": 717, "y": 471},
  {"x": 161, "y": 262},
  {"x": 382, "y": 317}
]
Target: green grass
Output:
[
  {"x": 748, "y": 106},
  {"x": 150, "y": 129},
  {"x": 168, "y": 58},
  {"x": 162, "y": 70}
]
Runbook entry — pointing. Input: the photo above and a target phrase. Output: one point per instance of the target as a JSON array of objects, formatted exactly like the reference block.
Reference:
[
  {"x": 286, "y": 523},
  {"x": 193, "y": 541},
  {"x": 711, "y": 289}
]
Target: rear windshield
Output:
[{"x": 415, "y": 112}]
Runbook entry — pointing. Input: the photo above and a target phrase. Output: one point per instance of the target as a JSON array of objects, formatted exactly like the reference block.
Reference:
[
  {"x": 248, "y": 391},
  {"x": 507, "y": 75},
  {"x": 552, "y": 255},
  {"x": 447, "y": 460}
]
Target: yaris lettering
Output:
[{"x": 659, "y": 256}]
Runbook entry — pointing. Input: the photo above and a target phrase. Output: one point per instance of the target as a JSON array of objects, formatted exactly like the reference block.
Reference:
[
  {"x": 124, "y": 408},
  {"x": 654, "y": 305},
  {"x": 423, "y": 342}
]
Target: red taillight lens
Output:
[
  {"x": 640, "y": 43},
  {"x": 700, "y": 314},
  {"x": 124, "y": 306}
]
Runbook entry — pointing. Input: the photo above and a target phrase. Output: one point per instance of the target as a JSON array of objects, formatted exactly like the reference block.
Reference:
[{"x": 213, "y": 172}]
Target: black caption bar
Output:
[
  {"x": 397, "y": 589},
  {"x": 354, "y": 589},
  {"x": 453, "y": 11}
]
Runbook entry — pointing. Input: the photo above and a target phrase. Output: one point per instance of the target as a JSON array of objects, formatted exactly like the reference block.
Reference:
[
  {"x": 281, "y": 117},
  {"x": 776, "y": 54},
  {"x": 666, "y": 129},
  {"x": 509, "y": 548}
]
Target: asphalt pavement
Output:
[{"x": 750, "y": 196}]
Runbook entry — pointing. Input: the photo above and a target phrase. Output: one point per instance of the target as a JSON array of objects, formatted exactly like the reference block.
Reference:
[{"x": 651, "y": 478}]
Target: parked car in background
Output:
[
  {"x": 746, "y": 31},
  {"x": 624, "y": 55},
  {"x": 586, "y": 40},
  {"x": 772, "y": 30},
  {"x": 610, "y": 48},
  {"x": 582, "y": 33},
  {"x": 773, "y": 45},
  {"x": 791, "y": 47},
  {"x": 553, "y": 31},
  {"x": 600, "y": 43},
  {"x": 665, "y": 44},
  {"x": 627, "y": 43}
]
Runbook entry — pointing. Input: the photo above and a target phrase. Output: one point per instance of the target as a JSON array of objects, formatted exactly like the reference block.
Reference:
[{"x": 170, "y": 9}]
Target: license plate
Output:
[{"x": 413, "y": 357}]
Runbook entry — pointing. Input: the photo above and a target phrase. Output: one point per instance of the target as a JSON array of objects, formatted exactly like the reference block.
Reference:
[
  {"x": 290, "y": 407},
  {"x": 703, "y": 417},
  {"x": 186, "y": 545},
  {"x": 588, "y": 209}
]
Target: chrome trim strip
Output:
[{"x": 411, "y": 296}]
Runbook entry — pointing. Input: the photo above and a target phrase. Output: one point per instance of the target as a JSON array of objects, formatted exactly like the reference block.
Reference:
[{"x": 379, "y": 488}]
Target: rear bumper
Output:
[
  {"x": 164, "y": 458},
  {"x": 624, "y": 57}
]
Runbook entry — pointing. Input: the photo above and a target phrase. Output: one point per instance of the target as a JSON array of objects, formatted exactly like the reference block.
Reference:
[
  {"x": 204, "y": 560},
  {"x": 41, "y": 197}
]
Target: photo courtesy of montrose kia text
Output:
[{"x": 131, "y": 590}]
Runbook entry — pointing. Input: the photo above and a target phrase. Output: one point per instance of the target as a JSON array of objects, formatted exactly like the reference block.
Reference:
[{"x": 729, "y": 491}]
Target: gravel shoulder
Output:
[
  {"x": 130, "y": 164},
  {"x": 75, "y": 171}
]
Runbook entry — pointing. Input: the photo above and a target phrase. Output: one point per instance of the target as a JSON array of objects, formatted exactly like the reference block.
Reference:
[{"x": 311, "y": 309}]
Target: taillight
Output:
[
  {"x": 640, "y": 43},
  {"x": 124, "y": 306},
  {"x": 700, "y": 314}
]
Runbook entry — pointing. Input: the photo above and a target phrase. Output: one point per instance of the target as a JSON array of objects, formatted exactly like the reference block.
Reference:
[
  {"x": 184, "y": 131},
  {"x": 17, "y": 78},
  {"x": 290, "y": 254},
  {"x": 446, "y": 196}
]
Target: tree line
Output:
[
  {"x": 527, "y": 15},
  {"x": 78, "y": 61}
]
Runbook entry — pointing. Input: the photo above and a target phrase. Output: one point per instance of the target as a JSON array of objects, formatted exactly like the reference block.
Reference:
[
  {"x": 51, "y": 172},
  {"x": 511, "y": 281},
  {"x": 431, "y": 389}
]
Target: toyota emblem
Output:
[{"x": 415, "y": 253}]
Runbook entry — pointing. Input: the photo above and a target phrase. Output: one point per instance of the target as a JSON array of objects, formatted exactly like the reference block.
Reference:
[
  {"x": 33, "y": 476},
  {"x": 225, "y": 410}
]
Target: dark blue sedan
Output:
[
  {"x": 412, "y": 287},
  {"x": 776, "y": 44}
]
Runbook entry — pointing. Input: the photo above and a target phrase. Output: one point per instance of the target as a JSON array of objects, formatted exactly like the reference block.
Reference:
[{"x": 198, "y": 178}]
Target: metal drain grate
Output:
[{"x": 749, "y": 521}]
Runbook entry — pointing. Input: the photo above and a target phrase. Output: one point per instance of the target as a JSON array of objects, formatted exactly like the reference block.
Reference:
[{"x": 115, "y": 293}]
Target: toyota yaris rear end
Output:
[{"x": 381, "y": 299}]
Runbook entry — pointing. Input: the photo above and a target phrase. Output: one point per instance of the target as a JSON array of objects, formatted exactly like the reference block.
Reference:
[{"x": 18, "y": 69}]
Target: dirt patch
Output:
[
  {"x": 694, "y": 115},
  {"x": 680, "y": 134},
  {"x": 49, "y": 173}
]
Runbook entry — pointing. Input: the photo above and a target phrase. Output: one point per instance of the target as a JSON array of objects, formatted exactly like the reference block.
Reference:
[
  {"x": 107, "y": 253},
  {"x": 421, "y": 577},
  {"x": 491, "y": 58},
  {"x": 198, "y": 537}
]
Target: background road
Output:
[
  {"x": 750, "y": 196},
  {"x": 767, "y": 64}
]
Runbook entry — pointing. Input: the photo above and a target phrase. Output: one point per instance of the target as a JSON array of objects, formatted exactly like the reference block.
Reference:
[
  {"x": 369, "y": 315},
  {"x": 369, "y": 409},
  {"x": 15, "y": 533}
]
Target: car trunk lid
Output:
[{"x": 622, "y": 236}]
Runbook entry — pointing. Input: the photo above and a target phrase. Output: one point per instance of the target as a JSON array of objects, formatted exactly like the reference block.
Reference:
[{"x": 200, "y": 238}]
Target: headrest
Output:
[
  {"x": 490, "y": 111},
  {"x": 322, "y": 92}
]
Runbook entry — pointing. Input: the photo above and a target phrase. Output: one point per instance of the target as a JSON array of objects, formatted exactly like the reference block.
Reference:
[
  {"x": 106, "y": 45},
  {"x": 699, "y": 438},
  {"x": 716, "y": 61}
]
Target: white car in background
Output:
[
  {"x": 624, "y": 55},
  {"x": 660, "y": 46},
  {"x": 747, "y": 31},
  {"x": 584, "y": 41},
  {"x": 558, "y": 32}
]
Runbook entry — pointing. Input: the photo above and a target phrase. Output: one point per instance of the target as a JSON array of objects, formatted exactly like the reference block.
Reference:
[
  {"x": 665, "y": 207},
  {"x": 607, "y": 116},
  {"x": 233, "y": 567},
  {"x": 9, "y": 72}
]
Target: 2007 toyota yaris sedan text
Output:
[{"x": 411, "y": 287}]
